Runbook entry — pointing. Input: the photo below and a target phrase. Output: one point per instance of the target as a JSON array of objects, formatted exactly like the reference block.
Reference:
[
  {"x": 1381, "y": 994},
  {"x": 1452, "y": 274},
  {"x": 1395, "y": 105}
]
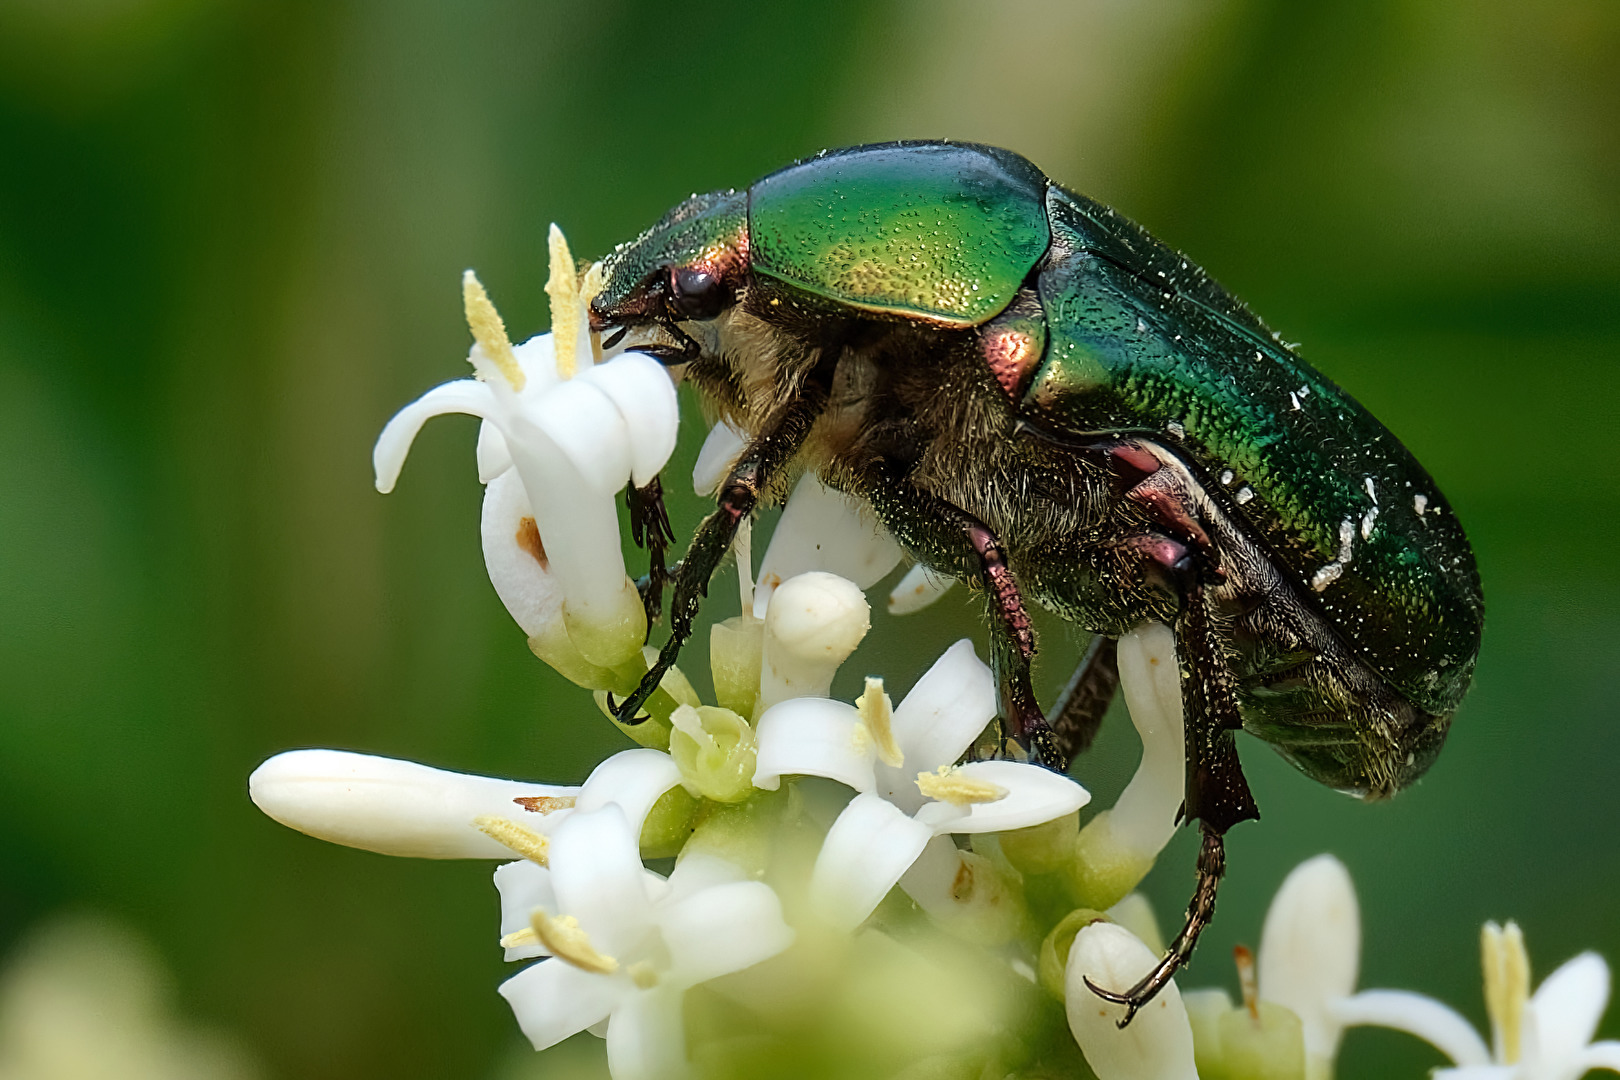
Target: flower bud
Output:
[
  {"x": 1157, "y": 1044},
  {"x": 734, "y": 661},
  {"x": 813, "y": 623},
  {"x": 1042, "y": 849}
]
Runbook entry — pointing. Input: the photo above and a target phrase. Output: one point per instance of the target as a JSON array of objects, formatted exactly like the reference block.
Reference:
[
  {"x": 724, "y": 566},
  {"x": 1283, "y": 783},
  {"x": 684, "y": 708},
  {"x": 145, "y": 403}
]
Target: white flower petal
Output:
[
  {"x": 1479, "y": 1072},
  {"x": 1310, "y": 949},
  {"x": 538, "y": 359},
  {"x": 699, "y": 871},
  {"x": 944, "y": 712},
  {"x": 530, "y": 591},
  {"x": 598, "y": 877},
  {"x": 722, "y": 929},
  {"x": 1600, "y": 1055},
  {"x": 587, "y": 427},
  {"x": 1435, "y": 1023},
  {"x": 646, "y": 1039},
  {"x": 823, "y": 529},
  {"x": 523, "y": 886},
  {"x": 718, "y": 456},
  {"x": 553, "y": 1000},
  {"x": 813, "y": 737},
  {"x": 1157, "y": 1045},
  {"x": 493, "y": 456},
  {"x": 1035, "y": 795},
  {"x": 641, "y": 389},
  {"x": 920, "y": 587},
  {"x": 1144, "y": 817},
  {"x": 1568, "y": 1005},
  {"x": 462, "y": 396},
  {"x": 869, "y": 846},
  {"x": 389, "y": 806},
  {"x": 631, "y": 779}
]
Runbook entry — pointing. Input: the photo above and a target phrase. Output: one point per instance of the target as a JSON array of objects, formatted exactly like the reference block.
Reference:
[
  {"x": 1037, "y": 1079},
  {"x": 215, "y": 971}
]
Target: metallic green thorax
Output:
[
  {"x": 1141, "y": 340},
  {"x": 941, "y": 232}
]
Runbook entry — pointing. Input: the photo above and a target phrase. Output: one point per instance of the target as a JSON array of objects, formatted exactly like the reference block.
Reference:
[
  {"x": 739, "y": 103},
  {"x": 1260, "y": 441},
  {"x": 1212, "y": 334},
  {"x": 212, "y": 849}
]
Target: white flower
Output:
[
  {"x": 401, "y": 808},
  {"x": 573, "y": 441},
  {"x": 826, "y": 530},
  {"x": 909, "y": 795},
  {"x": 920, "y": 587},
  {"x": 1545, "y": 1036},
  {"x": 1158, "y": 1043},
  {"x": 1310, "y": 950},
  {"x": 627, "y": 945}
]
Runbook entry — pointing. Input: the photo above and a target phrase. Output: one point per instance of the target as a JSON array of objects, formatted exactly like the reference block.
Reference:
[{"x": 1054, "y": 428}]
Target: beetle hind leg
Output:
[{"x": 1079, "y": 711}]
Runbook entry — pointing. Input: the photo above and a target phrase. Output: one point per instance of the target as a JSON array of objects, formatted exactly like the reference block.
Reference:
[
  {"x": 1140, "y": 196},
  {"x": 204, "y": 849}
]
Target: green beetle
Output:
[{"x": 1040, "y": 398}]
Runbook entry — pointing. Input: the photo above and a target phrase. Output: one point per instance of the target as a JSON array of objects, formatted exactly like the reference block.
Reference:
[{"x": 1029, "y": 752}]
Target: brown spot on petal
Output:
[
  {"x": 544, "y": 804},
  {"x": 528, "y": 538},
  {"x": 962, "y": 887}
]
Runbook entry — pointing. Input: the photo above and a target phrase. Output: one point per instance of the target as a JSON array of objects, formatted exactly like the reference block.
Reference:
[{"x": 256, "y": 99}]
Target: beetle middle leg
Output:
[
  {"x": 773, "y": 448},
  {"x": 649, "y": 528}
]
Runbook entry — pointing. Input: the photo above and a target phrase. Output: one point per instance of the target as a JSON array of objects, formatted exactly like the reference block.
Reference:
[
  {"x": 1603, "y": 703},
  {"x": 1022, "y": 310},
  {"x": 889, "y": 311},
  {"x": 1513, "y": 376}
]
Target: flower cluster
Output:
[{"x": 779, "y": 876}]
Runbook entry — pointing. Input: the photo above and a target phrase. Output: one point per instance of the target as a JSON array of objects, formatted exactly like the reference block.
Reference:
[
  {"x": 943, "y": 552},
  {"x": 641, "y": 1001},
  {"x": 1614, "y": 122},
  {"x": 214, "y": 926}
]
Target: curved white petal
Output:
[
  {"x": 1310, "y": 949},
  {"x": 1034, "y": 796},
  {"x": 1480, "y": 1072},
  {"x": 823, "y": 529},
  {"x": 553, "y": 1000},
  {"x": 1144, "y": 817},
  {"x": 493, "y": 456},
  {"x": 920, "y": 587},
  {"x": 943, "y": 713},
  {"x": 462, "y": 396},
  {"x": 869, "y": 846},
  {"x": 722, "y": 929},
  {"x": 390, "y": 806},
  {"x": 598, "y": 877},
  {"x": 1600, "y": 1055},
  {"x": 715, "y": 460},
  {"x": 523, "y": 886},
  {"x": 1437, "y": 1024},
  {"x": 587, "y": 427},
  {"x": 646, "y": 1039},
  {"x": 530, "y": 591},
  {"x": 813, "y": 737},
  {"x": 631, "y": 779},
  {"x": 698, "y": 871},
  {"x": 538, "y": 359},
  {"x": 1568, "y": 1005},
  {"x": 1158, "y": 1044},
  {"x": 641, "y": 389}
]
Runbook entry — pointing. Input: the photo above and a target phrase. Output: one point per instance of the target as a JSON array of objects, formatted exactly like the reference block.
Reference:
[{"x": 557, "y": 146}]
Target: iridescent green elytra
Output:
[{"x": 1038, "y": 397}]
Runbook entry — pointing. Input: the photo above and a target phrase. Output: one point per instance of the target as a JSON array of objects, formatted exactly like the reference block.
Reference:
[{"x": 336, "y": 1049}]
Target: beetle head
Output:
[{"x": 691, "y": 266}]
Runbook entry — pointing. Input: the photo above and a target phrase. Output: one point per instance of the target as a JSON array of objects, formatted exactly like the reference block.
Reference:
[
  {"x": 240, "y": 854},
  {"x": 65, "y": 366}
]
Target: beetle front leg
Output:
[{"x": 773, "y": 448}]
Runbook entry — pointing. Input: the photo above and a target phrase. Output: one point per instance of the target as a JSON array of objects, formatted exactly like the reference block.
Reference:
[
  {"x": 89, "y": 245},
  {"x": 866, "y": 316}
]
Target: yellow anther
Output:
[
  {"x": 567, "y": 942},
  {"x": 950, "y": 785},
  {"x": 488, "y": 329},
  {"x": 519, "y": 938},
  {"x": 526, "y": 842},
  {"x": 877, "y": 715},
  {"x": 563, "y": 288},
  {"x": 1507, "y": 985},
  {"x": 643, "y": 975}
]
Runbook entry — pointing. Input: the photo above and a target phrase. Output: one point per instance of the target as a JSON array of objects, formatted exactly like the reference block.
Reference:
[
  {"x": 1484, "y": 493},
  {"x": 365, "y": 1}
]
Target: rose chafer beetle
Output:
[{"x": 1041, "y": 399}]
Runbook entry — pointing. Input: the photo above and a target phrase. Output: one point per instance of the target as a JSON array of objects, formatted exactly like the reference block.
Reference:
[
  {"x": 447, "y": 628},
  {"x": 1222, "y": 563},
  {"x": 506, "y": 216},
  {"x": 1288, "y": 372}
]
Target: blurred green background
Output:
[{"x": 230, "y": 237}]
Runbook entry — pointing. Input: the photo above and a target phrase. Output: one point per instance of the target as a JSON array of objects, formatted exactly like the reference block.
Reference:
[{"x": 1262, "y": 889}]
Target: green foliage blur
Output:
[{"x": 230, "y": 239}]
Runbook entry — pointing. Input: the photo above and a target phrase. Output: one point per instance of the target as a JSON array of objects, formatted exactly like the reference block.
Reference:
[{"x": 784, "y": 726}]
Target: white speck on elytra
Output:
[
  {"x": 1293, "y": 401},
  {"x": 1244, "y": 495},
  {"x": 1371, "y": 491},
  {"x": 1420, "y": 503},
  {"x": 1226, "y": 476},
  {"x": 1330, "y": 573},
  {"x": 1175, "y": 429},
  {"x": 1367, "y": 521}
]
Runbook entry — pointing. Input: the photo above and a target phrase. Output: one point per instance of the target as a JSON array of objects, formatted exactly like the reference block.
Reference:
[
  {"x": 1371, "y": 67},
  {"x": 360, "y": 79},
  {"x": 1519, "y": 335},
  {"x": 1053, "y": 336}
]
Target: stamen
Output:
[
  {"x": 488, "y": 329},
  {"x": 1507, "y": 986},
  {"x": 1248, "y": 982},
  {"x": 877, "y": 715},
  {"x": 545, "y": 804},
  {"x": 563, "y": 288},
  {"x": 527, "y": 843},
  {"x": 644, "y": 975},
  {"x": 589, "y": 286},
  {"x": 949, "y": 785},
  {"x": 519, "y": 938},
  {"x": 567, "y": 942}
]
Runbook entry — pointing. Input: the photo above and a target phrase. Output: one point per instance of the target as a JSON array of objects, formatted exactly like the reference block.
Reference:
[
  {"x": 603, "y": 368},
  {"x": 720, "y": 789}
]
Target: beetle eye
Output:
[{"x": 695, "y": 294}]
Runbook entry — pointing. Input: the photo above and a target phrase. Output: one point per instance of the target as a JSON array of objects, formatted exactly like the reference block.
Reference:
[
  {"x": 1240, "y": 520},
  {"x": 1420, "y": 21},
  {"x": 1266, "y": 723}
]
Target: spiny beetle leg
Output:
[
  {"x": 773, "y": 448},
  {"x": 649, "y": 528},
  {"x": 1211, "y": 865},
  {"x": 1079, "y": 711}
]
